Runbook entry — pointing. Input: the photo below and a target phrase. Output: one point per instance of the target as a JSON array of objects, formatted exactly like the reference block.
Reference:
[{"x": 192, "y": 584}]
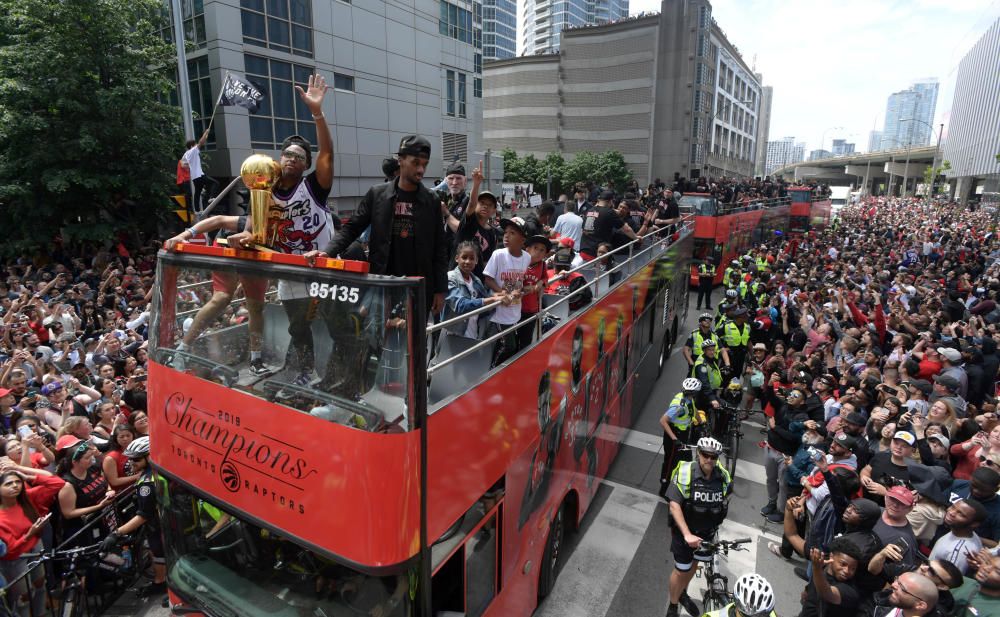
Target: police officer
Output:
[
  {"x": 706, "y": 279},
  {"x": 731, "y": 303},
  {"x": 731, "y": 276},
  {"x": 706, "y": 369},
  {"x": 735, "y": 335},
  {"x": 699, "y": 500},
  {"x": 753, "y": 596},
  {"x": 676, "y": 423},
  {"x": 693, "y": 344},
  {"x": 145, "y": 514}
]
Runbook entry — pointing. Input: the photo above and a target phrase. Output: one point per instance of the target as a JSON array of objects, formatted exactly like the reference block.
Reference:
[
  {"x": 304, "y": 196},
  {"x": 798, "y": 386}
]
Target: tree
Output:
[
  {"x": 551, "y": 167},
  {"x": 84, "y": 123},
  {"x": 612, "y": 168},
  {"x": 511, "y": 165},
  {"x": 931, "y": 174},
  {"x": 583, "y": 167}
]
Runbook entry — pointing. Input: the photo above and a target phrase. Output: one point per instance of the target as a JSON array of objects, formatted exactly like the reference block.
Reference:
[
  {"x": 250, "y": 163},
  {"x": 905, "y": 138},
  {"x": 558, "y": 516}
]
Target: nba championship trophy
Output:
[{"x": 260, "y": 172}]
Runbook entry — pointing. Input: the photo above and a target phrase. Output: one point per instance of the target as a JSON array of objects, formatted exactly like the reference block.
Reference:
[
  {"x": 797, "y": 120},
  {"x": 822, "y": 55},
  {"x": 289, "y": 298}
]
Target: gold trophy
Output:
[{"x": 260, "y": 172}]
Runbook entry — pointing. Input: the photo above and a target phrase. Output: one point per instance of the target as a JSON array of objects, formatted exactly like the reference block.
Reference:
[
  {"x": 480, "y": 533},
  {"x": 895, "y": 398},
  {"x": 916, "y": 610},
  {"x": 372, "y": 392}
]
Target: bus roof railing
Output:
[{"x": 684, "y": 227}]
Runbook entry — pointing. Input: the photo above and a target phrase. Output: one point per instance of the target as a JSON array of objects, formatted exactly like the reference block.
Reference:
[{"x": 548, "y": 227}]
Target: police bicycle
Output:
[{"x": 717, "y": 594}]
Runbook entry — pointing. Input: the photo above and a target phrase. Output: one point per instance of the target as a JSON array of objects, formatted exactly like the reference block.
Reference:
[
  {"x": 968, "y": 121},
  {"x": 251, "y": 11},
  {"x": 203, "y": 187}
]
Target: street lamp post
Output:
[
  {"x": 909, "y": 142},
  {"x": 822, "y": 140}
]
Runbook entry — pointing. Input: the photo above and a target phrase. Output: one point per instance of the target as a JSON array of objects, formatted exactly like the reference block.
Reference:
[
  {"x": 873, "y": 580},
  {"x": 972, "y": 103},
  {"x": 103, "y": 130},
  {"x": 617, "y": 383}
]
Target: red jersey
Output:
[{"x": 529, "y": 302}]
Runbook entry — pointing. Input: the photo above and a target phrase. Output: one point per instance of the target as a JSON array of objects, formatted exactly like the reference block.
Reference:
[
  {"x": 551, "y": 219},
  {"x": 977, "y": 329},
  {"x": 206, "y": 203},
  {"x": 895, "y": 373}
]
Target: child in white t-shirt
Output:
[{"x": 504, "y": 274}]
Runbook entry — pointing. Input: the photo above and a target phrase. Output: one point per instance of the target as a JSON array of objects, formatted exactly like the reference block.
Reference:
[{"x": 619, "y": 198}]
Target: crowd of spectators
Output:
[{"x": 876, "y": 362}]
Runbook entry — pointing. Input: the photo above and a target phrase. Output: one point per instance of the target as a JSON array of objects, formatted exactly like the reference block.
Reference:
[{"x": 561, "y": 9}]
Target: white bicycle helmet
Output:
[
  {"x": 691, "y": 384},
  {"x": 734, "y": 263},
  {"x": 753, "y": 595},
  {"x": 732, "y": 293},
  {"x": 138, "y": 448},
  {"x": 710, "y": 445},
  {"x": 705, "y": 316},
  {"x": 708, "y": 343}
]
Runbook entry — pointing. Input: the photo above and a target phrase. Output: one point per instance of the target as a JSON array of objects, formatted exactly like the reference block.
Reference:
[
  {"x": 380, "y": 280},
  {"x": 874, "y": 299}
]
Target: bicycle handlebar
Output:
[{"x": 65, "y": 554}]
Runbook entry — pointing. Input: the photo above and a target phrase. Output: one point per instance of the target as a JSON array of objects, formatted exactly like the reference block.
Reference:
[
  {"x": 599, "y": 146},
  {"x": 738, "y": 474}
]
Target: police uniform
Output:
[
  {"x": 704, "y": 503},
  {"x": 697, "y": 338},
  {"x": 146, "y": 506},
  {"x": 736, "y": 340},
  {"x": 710, "y": 374},
  {"x": 706, "y": 278},
  {"x": 730, "y": 276},
  {"x": 684, "y": 412}
]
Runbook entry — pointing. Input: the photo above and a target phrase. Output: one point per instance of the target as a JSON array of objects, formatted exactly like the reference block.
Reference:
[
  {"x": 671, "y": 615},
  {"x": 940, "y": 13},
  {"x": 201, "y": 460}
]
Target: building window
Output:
[
  {"x": 477, "y": 63},
  {"x": 449, "y": 93},
  {"x": 700, "y": 74},
  {"x": 704, "y": 16},
  {"x": 477, "y": 87},
  {"x": 343, "y": 82},
  {"x": 202, "y": 96},
  {"x": 282, "y": 112},
  {"x": 281, "y": 25},
  {"x": 455, "y": 22},
  {"x": 193, "y": 17},
  {"x": 696, "y": 129},
  {"x": 461, "y": 95}
]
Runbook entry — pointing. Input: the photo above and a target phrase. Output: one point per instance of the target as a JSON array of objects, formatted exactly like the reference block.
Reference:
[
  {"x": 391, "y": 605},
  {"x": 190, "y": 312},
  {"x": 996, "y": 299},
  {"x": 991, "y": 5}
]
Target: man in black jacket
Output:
[{"x": 407, "y": 237}]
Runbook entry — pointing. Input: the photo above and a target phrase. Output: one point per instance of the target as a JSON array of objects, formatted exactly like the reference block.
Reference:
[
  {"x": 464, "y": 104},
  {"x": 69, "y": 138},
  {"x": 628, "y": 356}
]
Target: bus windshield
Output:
[
  {"x": 229, "y": 567},
  {"x": 699, "y": 205},
  {"x": 325, "y": 342}
]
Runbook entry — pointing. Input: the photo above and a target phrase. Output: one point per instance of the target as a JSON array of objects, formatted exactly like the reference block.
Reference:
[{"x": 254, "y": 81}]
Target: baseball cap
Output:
[
  {"x": 539, "y": 239},
  {"x": 802, "y": 377},
  {"x": 415, "y": 145},
  {"x": 67, "y": 441},
  {"x": 563, "y": 256},
  {"x": 941, "y": 439},
  {"x": 856, "y": 418},
  {"x": 487, "y": 195},
  {"x": 455, "y": 168},
  {"x": 4, "y": 392},
  {"x": 845, "y": 441},
  {"x": 516, "y": 222},
  {"x": 923, "y": 385},
  {"x": 901, "y": 494},
  {"x": 951, "y": 353},
  {"x": 740, "y": 312},
  {"x": 759, "y": 346},
  {"x": 947, "y": 381},
  {"x": 49, "y": 388},
  {"x": 906, "y": 436}
]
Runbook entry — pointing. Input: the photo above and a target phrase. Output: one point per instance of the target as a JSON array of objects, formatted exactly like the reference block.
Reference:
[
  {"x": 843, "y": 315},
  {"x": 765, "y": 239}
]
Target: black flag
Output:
[{"x": 241, "y": 92}]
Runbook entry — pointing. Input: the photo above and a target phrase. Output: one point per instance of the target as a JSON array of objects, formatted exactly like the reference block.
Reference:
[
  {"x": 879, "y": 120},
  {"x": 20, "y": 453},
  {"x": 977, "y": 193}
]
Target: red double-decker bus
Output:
[
  {"x": 393, "y": 485},
  {"x": 807, "y": 211},
  {"x": 725, "y": 231}
]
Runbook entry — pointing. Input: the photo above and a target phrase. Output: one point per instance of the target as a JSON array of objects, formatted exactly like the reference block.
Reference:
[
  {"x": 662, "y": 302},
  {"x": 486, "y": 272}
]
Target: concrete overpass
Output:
[{"x": 880, "y": 172}]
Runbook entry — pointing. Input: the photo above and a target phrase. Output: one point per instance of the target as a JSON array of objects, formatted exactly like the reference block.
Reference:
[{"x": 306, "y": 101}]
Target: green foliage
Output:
[
  {"x": 932, "y": 173},
  {"x": 83, "y": 120},
  {"x": 583, "y": 167}
]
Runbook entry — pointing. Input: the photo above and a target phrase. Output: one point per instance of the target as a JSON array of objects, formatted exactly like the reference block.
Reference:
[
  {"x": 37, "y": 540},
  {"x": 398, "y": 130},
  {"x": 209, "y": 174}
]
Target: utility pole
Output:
[
  {"x": 934, "y": 162},
  {"x": 183, "y": 85}
]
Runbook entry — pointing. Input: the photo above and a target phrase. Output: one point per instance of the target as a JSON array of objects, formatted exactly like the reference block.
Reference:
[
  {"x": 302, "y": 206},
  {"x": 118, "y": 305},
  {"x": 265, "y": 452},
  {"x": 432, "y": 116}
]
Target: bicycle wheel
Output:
[
  {"x": 70, "y": 604},
  {"x": 733, "y": 449},
  {"x": 711, "y": 601}
]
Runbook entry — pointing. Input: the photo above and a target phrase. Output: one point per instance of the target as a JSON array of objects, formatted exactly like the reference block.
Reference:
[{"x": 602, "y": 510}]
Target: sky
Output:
[{"x": 834, "y": 63}]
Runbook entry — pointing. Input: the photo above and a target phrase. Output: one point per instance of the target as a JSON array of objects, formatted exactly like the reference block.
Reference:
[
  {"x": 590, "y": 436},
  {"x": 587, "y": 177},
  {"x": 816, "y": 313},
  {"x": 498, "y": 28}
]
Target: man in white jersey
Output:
[{"x": 305, "y": 223}]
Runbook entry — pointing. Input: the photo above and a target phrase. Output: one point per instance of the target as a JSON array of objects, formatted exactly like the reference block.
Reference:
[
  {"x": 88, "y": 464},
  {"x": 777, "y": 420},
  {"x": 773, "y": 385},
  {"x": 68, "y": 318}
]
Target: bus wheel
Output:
[
  {"x": 666, "y": 348},
  {"x": 550, "y": 558}
]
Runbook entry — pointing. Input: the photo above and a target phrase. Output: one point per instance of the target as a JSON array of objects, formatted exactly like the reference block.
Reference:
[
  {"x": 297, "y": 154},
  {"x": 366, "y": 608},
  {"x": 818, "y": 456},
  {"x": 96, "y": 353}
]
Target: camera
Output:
[{"x": 814, "y": 453}]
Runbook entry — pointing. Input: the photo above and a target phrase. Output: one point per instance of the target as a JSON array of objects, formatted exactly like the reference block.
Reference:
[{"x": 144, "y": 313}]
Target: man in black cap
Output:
[
  {"x": 946, "y": 387},
  {"x": 407, "y": 237},
  {"x": 600, "y": 224},
  {"x": 453, "y": 207},
  {"x": 983, "y": 488}
]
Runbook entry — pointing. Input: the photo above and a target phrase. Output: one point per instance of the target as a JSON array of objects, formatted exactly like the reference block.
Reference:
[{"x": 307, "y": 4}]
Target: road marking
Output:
[
  {"x": 754, "y": 472},
  {"x": 597, "y": 566}
]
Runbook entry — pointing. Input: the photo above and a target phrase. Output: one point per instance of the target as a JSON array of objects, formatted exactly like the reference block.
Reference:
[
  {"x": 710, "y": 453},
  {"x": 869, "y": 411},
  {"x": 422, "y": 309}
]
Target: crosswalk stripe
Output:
[
  {"x": 596, "y": 567},
  {"x": 746, "y": 470}
]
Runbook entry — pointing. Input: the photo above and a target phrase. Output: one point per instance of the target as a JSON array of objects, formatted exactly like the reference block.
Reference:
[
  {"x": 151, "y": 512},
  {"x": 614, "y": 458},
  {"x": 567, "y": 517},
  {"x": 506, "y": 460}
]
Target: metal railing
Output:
[
  {"x": 96, "y": 596},
  {"x": 684, "y": 227}
]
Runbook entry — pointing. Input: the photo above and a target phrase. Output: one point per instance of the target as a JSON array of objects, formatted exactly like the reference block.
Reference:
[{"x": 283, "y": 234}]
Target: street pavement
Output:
[{"x": 618, "y": 563}]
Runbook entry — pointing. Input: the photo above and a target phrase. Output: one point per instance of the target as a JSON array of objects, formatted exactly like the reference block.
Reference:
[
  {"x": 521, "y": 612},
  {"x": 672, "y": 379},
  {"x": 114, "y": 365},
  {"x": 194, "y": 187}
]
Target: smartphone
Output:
[
  {"x": 24, "y": 431},
  {"x": 140, "y": 377}
]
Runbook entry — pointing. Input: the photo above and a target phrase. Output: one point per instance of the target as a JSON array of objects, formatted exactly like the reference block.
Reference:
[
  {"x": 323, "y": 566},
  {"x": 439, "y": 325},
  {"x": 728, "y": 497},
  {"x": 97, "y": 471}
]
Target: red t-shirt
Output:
[
  {"x": 183, "y": 173},
  {"x": 534, "y": 273},
  {"x": 928, "y": 369}
]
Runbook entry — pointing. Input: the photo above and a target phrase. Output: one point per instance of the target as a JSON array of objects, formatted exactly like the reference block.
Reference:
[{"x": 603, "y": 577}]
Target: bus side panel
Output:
[{"x": 551, "y": 423}]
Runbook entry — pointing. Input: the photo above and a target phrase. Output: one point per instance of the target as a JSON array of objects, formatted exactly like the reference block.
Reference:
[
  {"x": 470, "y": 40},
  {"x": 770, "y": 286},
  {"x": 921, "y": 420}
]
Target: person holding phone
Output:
[
  {"x": 898, "y": 539},
  {"x": 26, "y": 499}
]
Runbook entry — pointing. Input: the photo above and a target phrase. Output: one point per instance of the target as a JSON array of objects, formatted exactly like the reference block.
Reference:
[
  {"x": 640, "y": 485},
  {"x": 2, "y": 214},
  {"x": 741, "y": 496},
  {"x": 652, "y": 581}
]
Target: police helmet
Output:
[{"x": 691, "y": 384}]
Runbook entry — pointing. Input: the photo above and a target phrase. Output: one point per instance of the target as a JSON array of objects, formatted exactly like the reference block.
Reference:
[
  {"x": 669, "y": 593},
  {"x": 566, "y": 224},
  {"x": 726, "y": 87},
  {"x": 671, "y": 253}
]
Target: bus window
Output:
[
  {"x": 333, "y": 345},
  {"x": 230, "y": 567},
  {"x": 699, "y": 205}
]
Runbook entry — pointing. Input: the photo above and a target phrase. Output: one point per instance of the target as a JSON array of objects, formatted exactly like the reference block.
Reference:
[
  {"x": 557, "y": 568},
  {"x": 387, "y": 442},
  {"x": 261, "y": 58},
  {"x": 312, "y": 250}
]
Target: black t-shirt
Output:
[
  {"x": 849, "y": 599},
  {"x": 884, "y": 471},
  {"x": 599, "y": 225},
  {"x": 486, "y": 238},
  {"x": 402, "y": 248}
]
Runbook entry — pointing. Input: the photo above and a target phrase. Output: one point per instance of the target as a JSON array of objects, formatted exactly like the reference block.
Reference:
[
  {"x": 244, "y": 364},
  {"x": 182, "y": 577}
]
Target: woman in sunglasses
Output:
[{"x": 86, "y": 490}]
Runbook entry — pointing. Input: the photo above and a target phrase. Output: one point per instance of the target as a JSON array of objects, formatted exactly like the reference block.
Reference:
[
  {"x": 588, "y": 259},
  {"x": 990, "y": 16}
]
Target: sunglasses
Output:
[
  {"x": 295, "y": 156},
  {"x": 794, "y": 395}
]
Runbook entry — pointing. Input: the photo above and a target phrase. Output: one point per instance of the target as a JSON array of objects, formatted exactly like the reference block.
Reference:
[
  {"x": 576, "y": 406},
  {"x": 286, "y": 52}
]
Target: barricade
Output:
[{"x": 103, "y": 581}]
